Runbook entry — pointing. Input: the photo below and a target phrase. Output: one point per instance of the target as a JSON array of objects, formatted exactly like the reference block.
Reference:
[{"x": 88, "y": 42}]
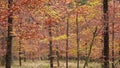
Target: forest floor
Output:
[{"x": 45, "y": 64}]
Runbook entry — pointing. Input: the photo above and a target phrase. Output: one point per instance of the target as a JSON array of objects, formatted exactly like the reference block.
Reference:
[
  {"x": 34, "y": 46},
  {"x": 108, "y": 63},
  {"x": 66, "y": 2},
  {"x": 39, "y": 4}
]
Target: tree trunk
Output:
[
  {"x": 113, "y": 35},
  {"x": 57, "y": 52},
  {"x": 106, "y": 34},
  {"x": 24, "y": 56},
  {"x": 3, "y": 47},
  {"x": 50, "y": 45},
  {"x": 119, "y": 53},
  {"x": 77, "y": 38},
  {"x": 9, "y": 39},
  {"x": 20, "y": 40},
  {"x": 86, "y": 50},
  {"x": 67, "y": 34},
  {"x": 91, "y": 45},
  {"x": 20, "y": 58}
]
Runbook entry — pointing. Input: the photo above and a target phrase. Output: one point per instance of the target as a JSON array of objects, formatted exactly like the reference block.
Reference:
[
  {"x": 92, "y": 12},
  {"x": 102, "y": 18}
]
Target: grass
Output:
[{"x": 45, "y": 64}]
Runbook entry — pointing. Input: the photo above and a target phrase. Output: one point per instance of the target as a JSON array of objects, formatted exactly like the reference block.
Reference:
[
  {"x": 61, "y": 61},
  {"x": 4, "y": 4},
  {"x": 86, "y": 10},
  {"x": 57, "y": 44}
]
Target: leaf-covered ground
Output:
[{"x": 45, "y": 64}]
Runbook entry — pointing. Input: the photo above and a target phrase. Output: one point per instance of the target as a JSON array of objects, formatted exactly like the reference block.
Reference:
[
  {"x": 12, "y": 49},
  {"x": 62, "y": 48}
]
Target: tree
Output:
[
  {"x": 50, "y": 43},
  {"x": 9, "y": 38},
  {"x": 113, "y": 27},
  {"x": 20, "y": 51},
  {"x": 67, "y": 34},
  {"x": 77, "y": 37},
  {"x": 91, "y": 45},
  {"x": 3, "y": 41},
  {"x": 119, "y": 52},
  {"x": 20, "y": 58},
  {"x": 57, "y": 46},
  {"x": 106, "y": 34}
]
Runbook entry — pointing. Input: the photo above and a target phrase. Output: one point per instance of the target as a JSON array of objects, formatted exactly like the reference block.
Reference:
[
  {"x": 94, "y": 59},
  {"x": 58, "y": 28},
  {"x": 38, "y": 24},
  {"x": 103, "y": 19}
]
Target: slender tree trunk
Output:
[
  {"x": 67, "y": 34},
  {"x": 3, "y": 41},
  {"x": 86, "y": 50},
  {"x": 90, "y": 50},
  {"x": 50, "y": 45},
  {"x": 9, "y": 39},
  {"x": 3, "y": 47},
  {"x": 113, "y": 35},
  {"x": 32, "y": 55},
  {"x": 24, "y": 56},
  {"x": 20, "y": 41},
  {"x": 57, "y": 52},
  {"x": 106, "y": 34},
  {"x": 20, "y": 58},
  {"x": 77, "y": 38},
  {"x": 119, "y": 53}
]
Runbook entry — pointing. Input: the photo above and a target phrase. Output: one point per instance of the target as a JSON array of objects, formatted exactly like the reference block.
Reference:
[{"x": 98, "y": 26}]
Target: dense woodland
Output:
[{"x": 54, "y": 30}]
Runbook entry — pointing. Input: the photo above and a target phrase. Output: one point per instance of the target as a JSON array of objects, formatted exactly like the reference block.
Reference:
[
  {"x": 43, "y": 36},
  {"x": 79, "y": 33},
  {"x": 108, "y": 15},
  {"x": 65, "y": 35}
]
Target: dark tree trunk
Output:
[
  {"x": 113, "y": 35},
  {"x": 77, "y": 38},
  {"x": 106, "y": 34},
  {"x": 67, "y": 34},
  {"x": 24, "y": 56},
  {"x": 119, "y": 53},
  {"x": 50, "y": 45},
  {"x": 20, "y": 42},
  {"x": 90, "y": 50},
  {"x": 86, "y": 49},
  {"x": 57, "y": 52},
  {"x": 9, "y": 39}
]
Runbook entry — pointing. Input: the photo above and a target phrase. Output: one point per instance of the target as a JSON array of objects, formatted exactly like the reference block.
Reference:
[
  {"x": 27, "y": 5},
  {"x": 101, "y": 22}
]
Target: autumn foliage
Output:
[{"x": 31, "y": 19}]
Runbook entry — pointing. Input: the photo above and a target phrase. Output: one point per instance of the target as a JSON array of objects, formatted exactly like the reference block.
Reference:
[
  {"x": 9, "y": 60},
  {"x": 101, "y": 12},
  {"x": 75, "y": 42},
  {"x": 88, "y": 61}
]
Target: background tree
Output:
[
  {"x": 67, "y": 34},
  {"x": 106, "y": 33},
  {"x": 9, "y": 39}
]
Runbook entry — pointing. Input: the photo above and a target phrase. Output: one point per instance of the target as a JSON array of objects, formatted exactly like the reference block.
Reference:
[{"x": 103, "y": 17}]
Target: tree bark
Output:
[
  {"x": 20, "y": 58},
  {"x": 91, "y": 45},
  {"x": 50, "y": 45},
  {"x": 9, "y": 38},
  {"x": 20, "y": 42},
  {"x": 77, "y": 38},
  {"x": 3, "y": 48},
  {"x": 24, "y": 55},
  {"x": 106, "y": 34},
  {"x": 119, "y": 53},
  {"x": 67, "y": 34},
  {"x": 57, "y": 52},
  {"x": 113, "y": 34}
]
